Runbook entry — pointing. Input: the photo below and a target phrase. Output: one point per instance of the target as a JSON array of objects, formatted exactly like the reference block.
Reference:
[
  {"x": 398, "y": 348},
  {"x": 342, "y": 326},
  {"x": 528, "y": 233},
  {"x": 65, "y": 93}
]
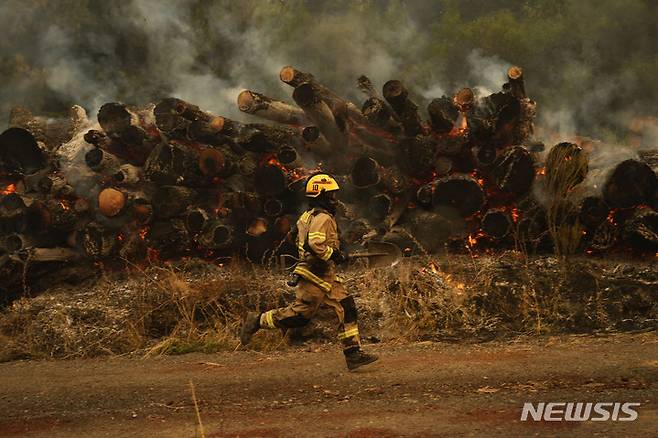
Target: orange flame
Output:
[
  {"x": 515, "y": 215},
  {"x": 143, "y": 232},
  {"x": 11, "y": 188},
  {"x": 472, "y": 240},
  {"x": 540, "y": 171}
]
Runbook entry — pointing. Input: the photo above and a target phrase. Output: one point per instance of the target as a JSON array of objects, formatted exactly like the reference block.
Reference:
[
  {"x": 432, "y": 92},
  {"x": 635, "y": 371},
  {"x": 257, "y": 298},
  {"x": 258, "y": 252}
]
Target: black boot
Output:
[
  {"x": 356, "y": 358},
  {"x": 250, "y": 326}
]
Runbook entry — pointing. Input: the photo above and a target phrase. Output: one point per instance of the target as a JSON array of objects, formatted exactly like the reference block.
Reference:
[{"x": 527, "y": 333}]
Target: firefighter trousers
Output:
[{"x": 308, "y": 299}]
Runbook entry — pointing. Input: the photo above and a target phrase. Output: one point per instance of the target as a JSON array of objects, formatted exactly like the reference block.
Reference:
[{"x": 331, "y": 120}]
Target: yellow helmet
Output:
[{"x": 319, "y": 183}]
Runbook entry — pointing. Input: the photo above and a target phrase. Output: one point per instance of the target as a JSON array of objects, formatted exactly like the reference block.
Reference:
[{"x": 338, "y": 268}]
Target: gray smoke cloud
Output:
[{"x": 59, "y": 53}]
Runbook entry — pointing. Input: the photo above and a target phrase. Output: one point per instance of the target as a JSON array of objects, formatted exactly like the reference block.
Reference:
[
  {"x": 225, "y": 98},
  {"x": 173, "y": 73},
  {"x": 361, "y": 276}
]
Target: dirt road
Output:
[{"x": 426, "y": 389}]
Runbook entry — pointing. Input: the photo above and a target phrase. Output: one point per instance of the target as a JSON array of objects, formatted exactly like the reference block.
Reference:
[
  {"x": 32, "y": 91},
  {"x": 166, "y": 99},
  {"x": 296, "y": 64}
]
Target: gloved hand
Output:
[
  {"x": 293, "y": 280},
  {"x": 339, "y": 257}
]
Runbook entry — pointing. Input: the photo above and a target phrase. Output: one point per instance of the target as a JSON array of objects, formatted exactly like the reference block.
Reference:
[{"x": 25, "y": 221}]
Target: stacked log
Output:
[{"x": 171, "y": 179}]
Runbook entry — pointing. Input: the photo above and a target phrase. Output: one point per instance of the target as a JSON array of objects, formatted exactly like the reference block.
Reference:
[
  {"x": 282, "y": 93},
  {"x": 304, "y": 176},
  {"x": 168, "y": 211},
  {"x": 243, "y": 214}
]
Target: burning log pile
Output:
[{"x": 171, "y": 180}]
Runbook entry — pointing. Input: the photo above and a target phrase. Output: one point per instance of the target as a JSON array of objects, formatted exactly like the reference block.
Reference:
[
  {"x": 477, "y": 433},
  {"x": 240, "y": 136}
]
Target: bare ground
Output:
[{"x": 420, "y": 389}]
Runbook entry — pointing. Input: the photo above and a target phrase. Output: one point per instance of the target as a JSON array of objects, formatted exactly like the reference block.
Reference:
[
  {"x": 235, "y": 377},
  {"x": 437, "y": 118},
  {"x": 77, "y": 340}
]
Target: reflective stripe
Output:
[
  {"x": 267, "y": 320},
  {"x": 308, "y": 275},
  {"x": 349, "y": 333},
  {"x": 317, "y": 236},
  {"x": 327, "y": 253}
]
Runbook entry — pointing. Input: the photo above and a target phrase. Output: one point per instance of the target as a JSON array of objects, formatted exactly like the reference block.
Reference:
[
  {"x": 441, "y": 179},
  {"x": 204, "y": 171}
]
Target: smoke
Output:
[
  {"x": 486, "y": 73},
  {"x": 591, "y": 77}
]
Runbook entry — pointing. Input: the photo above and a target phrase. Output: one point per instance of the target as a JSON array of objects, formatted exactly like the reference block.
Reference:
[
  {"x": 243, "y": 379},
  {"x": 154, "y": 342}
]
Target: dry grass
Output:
[
  {"x": 195, "y": 306},
  {"x": 566, "y": 167}
]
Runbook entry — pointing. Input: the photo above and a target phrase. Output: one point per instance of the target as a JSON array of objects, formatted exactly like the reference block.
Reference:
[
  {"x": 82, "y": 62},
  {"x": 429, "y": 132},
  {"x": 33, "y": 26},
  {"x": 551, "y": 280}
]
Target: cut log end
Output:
[
  {"x": 270, "y": 180},
  {"x": 258, "y": 227},
  {"x": 496, "y": 223},
  {"x": 93, "y": 158},
  {"x": 111, "y": 202},
  {"x": 394, "y": 90},
  {"x": 459, "y": 192},
  {"x": 287, "y": 74},
  {"x": 273, "y": 207},
  {"x": 515, "y": 73},
  {"x": 20, "y": 152},
  {"x": 246, "y": 101},
  {"x": 631, "y": 183},
  {"x": 217, "y": 123},
  {"x": 286, "y": 155},
  {"x": 211, "y": 162},
  {"x": 196, "y": 220},
  {"x": 464, "y": 99},
  {"x": 304, "y": 95},
  {"x": 365, "y": 173},
  {"x": 310, "y": 133}
]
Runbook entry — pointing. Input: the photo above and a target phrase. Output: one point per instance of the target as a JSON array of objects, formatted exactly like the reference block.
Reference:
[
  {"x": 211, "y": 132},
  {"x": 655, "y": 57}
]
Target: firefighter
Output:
[{"x": 317, "y": 284}]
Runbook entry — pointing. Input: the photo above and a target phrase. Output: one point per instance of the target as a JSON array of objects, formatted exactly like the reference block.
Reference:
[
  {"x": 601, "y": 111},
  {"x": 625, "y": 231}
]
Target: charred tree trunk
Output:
[
  {"x": 100, "y": 160},
  {"x": 97, "y": 241},
  {"x": 172, "y": 201},
  {"x": 497, "y": 223},
  {"x": 172, "y": 163},
  {"x": 168, "y": 239},
  {"x": 20, "y": 154},
  {"x": 271, "y": 180},
  {"x": 216, "y": 163},
  {"x": 443, "y": 115},
  {"x": 593, "y": 212},
  {"x": 460, "y": 193},
  {"x": 516, "y": 82},
  {"x": 431, "y": 229},
  {"x": 380, "y": 114},
  {"x": 514, "y": 172},
  {"x": 123, "y": 125},
  {"x": 295, "y": 78},
  {"x": 407, "y": 111},
  {"x": 216, "y": 235},
  {"x": 367, "y": 173},
  {"x": 128, "y": 175},
  {"x": 631, "y": 183},
  {"x": 641, "y": 230},
  {"x": 417, "y": 156},
  {"x": 306, "y": 97},
  {"x": 196, "y": 220}
]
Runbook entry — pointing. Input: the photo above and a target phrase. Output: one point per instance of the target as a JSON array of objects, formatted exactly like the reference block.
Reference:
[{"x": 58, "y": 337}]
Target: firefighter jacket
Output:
[{"x": 317, "y": 239}]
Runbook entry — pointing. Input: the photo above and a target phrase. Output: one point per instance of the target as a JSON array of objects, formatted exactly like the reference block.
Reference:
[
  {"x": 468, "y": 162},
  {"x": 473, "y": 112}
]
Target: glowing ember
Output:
[
  {"x": 294, "y": 174},
  {"x": 152, "y": 254},
  {"x": 611, "y": 217},
  {"x": 540, "y": 171},
  {"x": 515, "y": 215},
  {"x": 472, "y": 240},
  {"x": 143, "y": 232},
  {"x": 11, "y": 188}
]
